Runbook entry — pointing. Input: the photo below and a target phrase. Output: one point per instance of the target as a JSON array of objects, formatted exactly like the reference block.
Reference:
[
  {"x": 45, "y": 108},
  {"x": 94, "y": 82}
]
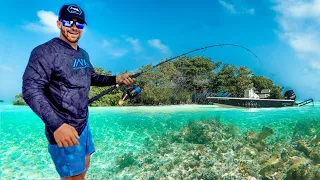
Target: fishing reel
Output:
[{"x": 130, "y": 93}]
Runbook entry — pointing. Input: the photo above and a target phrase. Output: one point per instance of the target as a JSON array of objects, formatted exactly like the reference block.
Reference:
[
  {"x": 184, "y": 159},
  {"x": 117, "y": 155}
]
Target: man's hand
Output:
[
  {"x": 125, "y": 78},
  {"x": 66, "y": 135}
]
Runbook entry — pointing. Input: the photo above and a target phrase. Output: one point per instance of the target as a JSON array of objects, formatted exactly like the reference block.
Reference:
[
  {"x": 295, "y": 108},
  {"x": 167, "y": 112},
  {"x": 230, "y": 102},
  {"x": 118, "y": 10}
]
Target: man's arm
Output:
[
  {"x": 102, "y": 80},
  {"x": 35, "y": 78}
]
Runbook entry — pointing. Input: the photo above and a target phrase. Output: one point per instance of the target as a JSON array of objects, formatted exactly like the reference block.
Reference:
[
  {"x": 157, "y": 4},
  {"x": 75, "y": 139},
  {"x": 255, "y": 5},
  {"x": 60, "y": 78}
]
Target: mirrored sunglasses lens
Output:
[
  {"x": 79, "y": 25},
  {"x": 67, "y": 23}
]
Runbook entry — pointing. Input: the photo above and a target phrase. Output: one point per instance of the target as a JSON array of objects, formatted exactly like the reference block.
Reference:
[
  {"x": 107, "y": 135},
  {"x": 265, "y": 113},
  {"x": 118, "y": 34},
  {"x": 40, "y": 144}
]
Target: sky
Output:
[{"x": 125, "y": 35}]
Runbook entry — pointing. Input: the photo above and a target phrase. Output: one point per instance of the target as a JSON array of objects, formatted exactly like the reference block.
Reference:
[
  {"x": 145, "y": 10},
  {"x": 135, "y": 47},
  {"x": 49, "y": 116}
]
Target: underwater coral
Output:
[{"x": 210, "y": 149}]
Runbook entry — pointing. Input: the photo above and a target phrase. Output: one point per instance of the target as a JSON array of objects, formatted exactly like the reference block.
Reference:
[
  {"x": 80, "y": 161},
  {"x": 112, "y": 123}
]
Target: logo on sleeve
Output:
[{"x": 80, "y": 64}]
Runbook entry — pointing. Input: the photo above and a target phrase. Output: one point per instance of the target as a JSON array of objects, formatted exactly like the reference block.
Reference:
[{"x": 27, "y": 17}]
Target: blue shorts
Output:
[{"x": 71, "y": 161}]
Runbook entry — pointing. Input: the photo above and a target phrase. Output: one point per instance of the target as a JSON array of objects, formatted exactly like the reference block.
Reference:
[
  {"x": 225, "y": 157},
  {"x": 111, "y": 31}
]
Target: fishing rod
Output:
[{"x": 136, "y": 90}]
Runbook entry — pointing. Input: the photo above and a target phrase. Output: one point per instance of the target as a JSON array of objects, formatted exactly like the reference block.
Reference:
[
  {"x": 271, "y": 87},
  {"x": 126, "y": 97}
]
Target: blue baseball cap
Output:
[{"x": 72, "y": 11}]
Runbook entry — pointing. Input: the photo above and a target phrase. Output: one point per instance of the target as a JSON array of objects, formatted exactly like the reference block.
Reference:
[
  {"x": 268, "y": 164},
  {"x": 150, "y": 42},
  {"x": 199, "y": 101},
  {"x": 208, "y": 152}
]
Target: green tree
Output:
[
  {"x": 225, "y": 80},
  {"x": 243, "y": 80},
  {"x": 157, "y": 84},
  {"x": 19, "y": 101},
  {"x": 276, "y": 92},
  {"x": 261, "y": 82},
  {"x": 196, "y": 72}
]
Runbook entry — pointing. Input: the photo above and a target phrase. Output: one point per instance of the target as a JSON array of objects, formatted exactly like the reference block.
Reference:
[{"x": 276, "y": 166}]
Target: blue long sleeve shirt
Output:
[{"x": 56, "y": 85}]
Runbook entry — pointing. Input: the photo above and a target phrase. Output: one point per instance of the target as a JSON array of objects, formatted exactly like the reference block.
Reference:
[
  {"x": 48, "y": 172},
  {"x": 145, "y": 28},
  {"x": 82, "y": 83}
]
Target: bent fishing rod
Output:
[{"x": 167, "y": 60}]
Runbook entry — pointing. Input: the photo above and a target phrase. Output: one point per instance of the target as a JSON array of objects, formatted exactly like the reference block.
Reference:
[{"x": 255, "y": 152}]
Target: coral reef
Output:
[
  {"x": 125, "y": 160},
  {"x": 209, "y": 149}
]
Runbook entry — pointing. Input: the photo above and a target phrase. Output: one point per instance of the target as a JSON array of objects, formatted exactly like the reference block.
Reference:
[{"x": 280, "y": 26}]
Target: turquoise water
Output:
[{"x": 118, "y": 130}]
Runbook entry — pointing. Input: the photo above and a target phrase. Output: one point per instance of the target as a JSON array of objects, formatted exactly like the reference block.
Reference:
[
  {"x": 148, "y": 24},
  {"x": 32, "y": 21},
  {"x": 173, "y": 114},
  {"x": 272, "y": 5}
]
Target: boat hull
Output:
[{"x": 251, "y": 103}]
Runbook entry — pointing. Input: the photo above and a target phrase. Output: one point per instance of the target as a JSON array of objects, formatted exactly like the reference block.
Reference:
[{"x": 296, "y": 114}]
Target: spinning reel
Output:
[{"x": 130, "y": 93}]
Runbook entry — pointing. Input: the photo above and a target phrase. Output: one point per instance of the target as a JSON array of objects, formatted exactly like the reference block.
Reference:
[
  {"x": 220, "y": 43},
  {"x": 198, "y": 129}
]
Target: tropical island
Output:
[{"x": 182, "y": 80}]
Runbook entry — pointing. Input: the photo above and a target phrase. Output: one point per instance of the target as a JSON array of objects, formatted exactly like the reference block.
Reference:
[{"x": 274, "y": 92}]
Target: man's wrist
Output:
[
  {"x": 56, "y": 126},
  {"x": 118, "y": 78}
]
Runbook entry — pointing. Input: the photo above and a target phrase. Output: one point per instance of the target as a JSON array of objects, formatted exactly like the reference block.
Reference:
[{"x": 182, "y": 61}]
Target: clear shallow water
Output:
[{"x": 23, "y": 153}]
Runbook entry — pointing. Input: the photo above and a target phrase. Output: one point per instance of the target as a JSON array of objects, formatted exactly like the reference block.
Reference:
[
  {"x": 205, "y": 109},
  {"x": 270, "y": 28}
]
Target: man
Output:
[{"x": 56, "y": 85}]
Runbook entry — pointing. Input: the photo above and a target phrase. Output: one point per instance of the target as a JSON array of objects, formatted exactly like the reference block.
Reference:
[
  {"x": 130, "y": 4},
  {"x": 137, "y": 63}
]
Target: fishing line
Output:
[{"x": 167, "y": 60}]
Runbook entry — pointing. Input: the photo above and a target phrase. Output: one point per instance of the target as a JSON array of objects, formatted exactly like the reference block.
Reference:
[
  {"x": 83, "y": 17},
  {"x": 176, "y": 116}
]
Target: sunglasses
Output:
[{"x": 69, "y": 23}]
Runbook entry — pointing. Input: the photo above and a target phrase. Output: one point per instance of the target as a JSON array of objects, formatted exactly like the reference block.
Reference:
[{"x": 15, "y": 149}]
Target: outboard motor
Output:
[{"x": 290, "y": 95}]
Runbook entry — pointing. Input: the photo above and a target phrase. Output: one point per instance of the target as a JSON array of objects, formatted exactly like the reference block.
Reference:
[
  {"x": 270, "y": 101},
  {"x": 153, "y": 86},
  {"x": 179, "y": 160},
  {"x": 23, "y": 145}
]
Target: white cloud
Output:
[
  {"x": 6, "y": 68},
  {"x": 117, "y": 52},
  {"x": 119, "y": 47},
  {"x": 135, "y": 43},
  {"x": 47, "y": 23},
  {"x": 315, "y": 65},
  {"x": 106, "y": 43},
  {"x": 156, "y": 43},
  {"x": 251, "y": 11},
  {"x": 299, "y": 28},
  {"x": 229, "y": 7},
  {"x": 112, "y": 48},
  {"x": 299, "y": 8},
  {"x": 232, "y": 9},
  {"x": 303, "y": 42}
]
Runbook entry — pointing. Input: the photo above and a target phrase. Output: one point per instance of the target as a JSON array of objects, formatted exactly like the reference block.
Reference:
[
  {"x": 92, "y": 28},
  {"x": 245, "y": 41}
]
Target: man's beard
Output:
[{"x": 65, "y": 34}]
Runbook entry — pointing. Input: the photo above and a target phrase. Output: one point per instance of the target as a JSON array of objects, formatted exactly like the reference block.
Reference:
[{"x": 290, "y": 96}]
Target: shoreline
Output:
[{"x": 316, "y": 102}]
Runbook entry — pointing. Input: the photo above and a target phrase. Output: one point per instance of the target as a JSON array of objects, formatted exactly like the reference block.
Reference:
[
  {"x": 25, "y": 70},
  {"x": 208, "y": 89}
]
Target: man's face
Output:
[{"x": 72, "y": 34}]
